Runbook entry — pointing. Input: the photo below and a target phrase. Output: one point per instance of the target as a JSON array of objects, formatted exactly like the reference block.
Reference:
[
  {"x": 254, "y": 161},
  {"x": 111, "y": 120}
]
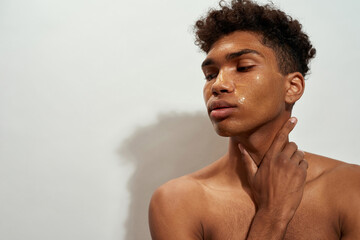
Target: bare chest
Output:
[{"x": 228, "y": 217}]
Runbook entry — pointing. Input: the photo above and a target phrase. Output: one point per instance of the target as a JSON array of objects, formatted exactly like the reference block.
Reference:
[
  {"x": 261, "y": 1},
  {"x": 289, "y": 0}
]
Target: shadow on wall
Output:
[{"x": 177, "y": 144}]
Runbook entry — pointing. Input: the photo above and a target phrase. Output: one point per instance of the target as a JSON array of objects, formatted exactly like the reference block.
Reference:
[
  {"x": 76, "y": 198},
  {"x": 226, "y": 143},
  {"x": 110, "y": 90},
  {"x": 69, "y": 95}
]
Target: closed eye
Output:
[
  {"x": 209, "y": 77},
  {"x": 244, "y": 69}
]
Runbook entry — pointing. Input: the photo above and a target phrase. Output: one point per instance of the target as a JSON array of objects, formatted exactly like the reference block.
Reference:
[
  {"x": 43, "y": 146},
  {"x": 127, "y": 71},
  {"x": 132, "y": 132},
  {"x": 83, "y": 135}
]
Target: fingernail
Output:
[{"x": 293, "y": 120}]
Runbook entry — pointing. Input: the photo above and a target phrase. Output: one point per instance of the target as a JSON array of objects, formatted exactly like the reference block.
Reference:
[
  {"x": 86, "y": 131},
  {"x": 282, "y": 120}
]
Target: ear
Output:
[{"x": 294, "y": 87}]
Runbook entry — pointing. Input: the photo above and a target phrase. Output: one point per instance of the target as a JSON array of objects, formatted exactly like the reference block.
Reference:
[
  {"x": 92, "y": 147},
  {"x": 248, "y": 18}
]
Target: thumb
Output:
[{"x": 249, "y": 163}]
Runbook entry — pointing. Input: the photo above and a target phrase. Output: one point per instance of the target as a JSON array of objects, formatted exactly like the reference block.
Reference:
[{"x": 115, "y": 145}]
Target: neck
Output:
[{"x": 256, "y": 143}]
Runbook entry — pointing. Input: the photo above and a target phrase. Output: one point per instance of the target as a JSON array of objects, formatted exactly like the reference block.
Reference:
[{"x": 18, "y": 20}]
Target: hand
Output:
[{"x": 278, "y": 183}]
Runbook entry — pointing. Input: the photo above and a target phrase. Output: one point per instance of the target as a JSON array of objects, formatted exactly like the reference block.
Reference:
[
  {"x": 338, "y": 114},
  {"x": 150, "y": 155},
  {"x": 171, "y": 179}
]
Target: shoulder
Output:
[
  {"x": 175, "y": 209},
  {"x": 179, "y": 191},
  {"x": 343, "y": 175},
  {"x": 344, "y": 183},
  {"x": 344, "y": 180},
  {"x": 331, "y": 170},
  {"x": 341, "y": 182},
  {"x": 348, "y": 174},
  {"x": 187, "y": 192}
]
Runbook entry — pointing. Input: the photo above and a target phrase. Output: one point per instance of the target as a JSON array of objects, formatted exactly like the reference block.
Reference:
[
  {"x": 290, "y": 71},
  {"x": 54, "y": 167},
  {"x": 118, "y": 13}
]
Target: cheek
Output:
[
  {"x": 242, "y": 100},
  {"x": 259, "y": 91},
  {"x": 206, "y": 92},
  {"x": 270, "y": 93},
  {"x": 249, "y": 90}
]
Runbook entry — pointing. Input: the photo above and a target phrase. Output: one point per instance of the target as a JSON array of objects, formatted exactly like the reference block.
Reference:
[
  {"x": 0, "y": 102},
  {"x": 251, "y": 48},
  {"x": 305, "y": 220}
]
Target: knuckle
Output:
[
  {"x": 298, "y": 156},
  {"x": 306, "y": 164},
  {"x": 301, "y": 154},
  {"x": 282, "y": 136},
  {"x": 303, "y": 161},
  {"x": 282, "y": 158},
  {"x": 293, "y": 145}
]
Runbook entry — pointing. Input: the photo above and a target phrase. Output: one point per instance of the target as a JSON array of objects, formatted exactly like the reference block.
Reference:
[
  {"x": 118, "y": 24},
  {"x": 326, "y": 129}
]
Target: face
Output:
[{"x": 244, "y": 88}]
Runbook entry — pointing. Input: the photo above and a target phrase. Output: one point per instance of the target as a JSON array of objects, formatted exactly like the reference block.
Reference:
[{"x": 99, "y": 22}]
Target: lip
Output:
[{"x": 220, "y": 109}]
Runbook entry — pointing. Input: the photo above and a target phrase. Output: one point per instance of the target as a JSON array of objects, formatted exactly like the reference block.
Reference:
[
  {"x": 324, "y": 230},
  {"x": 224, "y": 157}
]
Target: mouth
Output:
[{"x": 218, "y": 110}]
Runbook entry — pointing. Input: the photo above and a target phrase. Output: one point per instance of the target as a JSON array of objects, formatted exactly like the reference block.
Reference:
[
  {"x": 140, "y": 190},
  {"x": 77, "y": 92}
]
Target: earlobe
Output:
[{"x": 295, "y": 85}]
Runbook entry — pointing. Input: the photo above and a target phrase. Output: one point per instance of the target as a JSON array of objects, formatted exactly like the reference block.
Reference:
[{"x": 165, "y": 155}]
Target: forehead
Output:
[{"x": 237, "y": 41}]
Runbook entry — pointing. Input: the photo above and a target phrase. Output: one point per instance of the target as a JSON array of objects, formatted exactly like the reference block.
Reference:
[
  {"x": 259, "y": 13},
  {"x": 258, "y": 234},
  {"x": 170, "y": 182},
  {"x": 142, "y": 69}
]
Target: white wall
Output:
[{"x": 82, "y": 84}]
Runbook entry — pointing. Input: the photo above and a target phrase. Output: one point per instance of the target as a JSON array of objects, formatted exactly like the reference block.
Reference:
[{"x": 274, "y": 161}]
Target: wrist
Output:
[
  {"x": 268, "y": 225},
  {"x": 277, "y": 218}
]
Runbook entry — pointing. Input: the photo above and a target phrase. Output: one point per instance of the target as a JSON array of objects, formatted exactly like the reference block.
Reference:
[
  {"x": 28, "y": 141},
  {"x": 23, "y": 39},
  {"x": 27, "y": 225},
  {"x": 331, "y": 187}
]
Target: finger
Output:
[
  {"x": 304, "y": 164},
  {"x": 297, "y": 157},
  {"x": 281, "y": 138},
  {"x": 249, "y": 163},
  {"x": 290, "y": 149}
]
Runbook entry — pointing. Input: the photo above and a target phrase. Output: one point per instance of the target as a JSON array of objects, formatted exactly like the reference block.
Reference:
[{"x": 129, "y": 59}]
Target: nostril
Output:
[{"x": 215, "y": 93}]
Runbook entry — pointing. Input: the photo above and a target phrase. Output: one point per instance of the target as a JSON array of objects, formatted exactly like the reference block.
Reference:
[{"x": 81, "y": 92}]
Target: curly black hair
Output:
[{"x": 279, "y": 31}]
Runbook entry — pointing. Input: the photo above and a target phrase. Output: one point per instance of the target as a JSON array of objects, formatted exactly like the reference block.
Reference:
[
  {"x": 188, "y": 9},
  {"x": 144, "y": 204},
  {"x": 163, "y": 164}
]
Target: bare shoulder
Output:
[
  {"x": 343, "y": 179},
  {"x": 332, "y": 170},
  {"x": 178, "y": 191},
  {"x": 174, "y": 211},
  {"x": 186, "y": 193},
  {"x": 341, "y": 182},
  {"x": 347, "y": 175}
]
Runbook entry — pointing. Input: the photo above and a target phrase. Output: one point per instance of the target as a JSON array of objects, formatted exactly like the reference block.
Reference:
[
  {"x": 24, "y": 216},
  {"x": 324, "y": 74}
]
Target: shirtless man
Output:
[{"x": 264, "y": 187}]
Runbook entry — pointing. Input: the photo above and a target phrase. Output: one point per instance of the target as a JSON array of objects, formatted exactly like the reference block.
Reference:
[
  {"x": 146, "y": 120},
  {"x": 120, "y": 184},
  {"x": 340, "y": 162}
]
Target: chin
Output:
[
  {"x": 234, "y": 127},
  {"x": 227, "y": 130},
  {"x": 223, "y": 133}
]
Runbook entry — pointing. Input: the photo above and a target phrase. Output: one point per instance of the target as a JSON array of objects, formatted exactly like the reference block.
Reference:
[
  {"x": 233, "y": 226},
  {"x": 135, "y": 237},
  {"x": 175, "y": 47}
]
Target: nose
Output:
[{"x": 223, "y": 84}]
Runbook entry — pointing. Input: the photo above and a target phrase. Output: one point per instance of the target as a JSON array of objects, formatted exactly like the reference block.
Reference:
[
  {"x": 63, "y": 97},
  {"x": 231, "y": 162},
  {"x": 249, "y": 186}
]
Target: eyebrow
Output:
[{"x": 231, "y": 56}]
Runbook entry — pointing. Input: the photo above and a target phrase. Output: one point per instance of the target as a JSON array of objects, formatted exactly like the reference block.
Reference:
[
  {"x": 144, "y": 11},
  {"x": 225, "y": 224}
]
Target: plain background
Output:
[{"x": 100, "y": 99}]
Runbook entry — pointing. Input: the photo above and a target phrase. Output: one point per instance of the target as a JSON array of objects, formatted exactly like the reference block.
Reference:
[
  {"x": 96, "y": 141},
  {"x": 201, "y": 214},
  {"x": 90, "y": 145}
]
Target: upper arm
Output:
[
  {"x": 173, "y": 213},
  {"x": 350, "y": 204}
]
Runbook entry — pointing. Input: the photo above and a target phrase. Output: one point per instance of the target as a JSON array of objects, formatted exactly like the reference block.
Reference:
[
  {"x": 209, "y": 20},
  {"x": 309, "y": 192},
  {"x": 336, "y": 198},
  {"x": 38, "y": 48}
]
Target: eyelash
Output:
[
  {"x": 210, "y": 76},
  {"x": 239, "y": 69},
  {"x": 244, "y": 69}
]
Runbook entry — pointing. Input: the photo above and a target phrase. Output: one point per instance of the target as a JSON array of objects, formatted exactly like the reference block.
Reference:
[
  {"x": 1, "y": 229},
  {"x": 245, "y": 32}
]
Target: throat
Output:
[{"x": 258, "y": 141}]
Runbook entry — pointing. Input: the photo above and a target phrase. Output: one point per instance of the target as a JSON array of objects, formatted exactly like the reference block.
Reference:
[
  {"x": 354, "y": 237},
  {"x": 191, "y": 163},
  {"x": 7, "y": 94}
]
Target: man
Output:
[{"x": 264, "y": 187}]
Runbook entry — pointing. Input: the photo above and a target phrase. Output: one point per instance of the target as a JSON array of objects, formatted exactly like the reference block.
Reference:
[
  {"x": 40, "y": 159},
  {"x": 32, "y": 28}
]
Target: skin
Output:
[{"x": 264, "y": 187}]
